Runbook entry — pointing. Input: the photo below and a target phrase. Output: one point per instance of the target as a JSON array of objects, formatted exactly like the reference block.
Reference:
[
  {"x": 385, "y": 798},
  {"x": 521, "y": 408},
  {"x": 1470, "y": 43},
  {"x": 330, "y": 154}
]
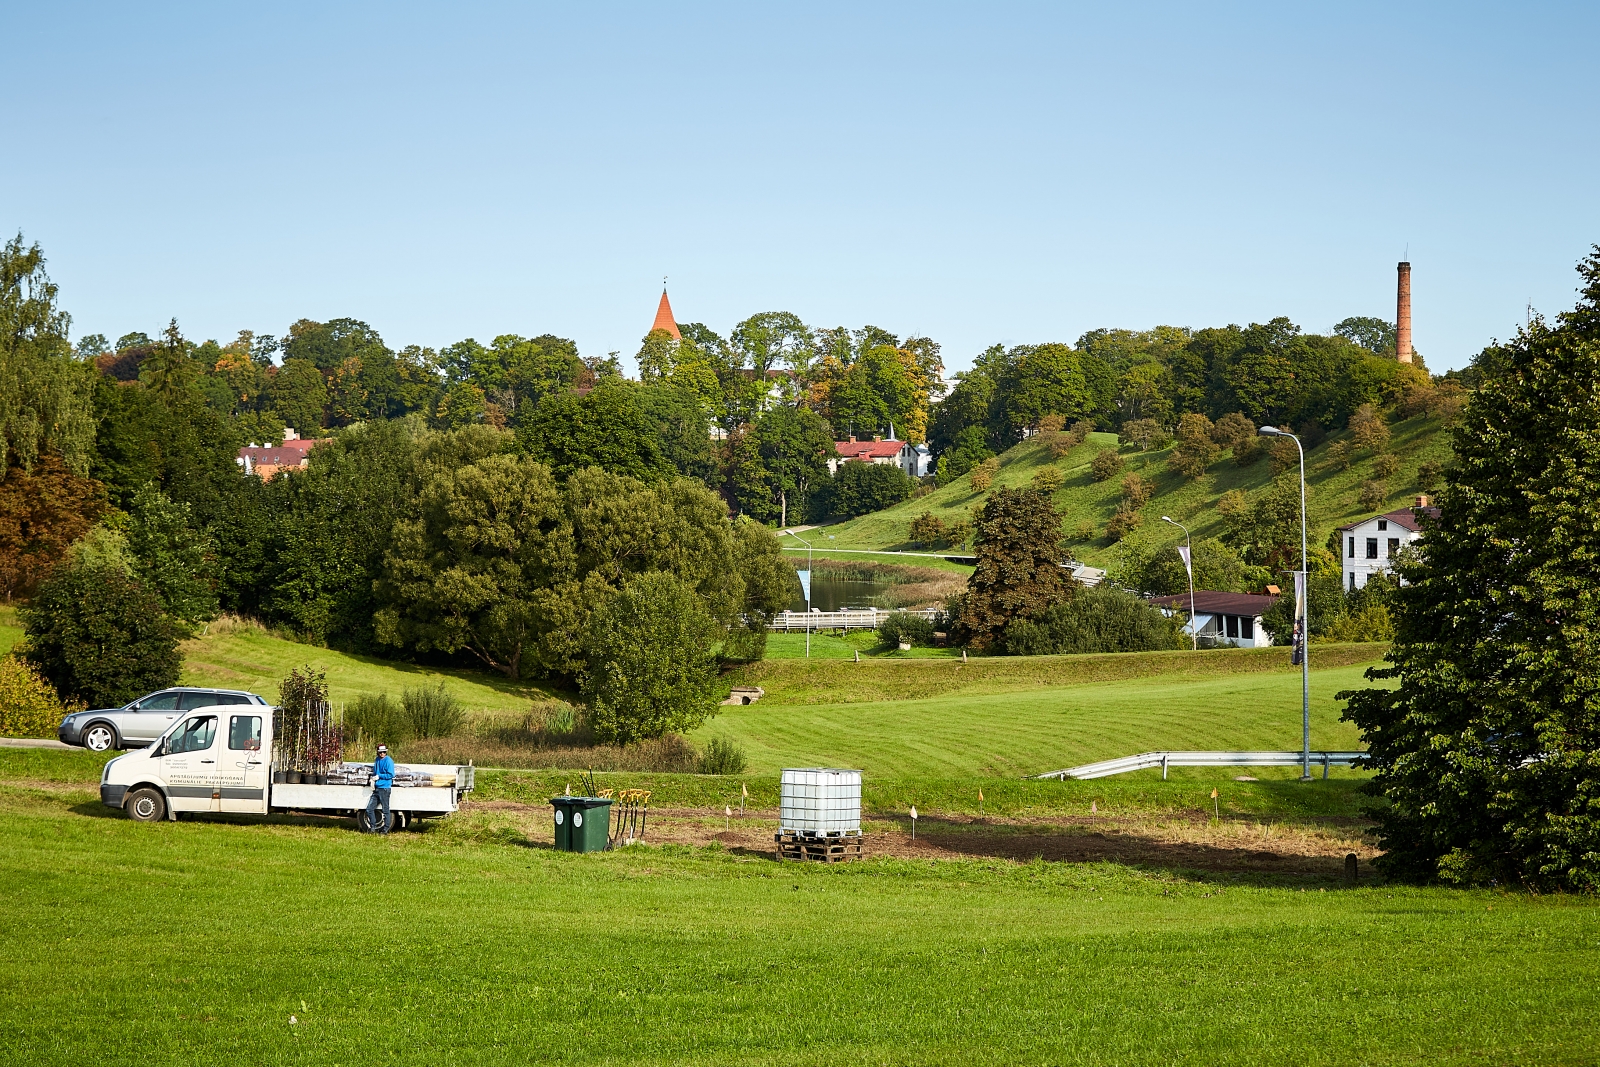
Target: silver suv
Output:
[{"x": 142, "y": 721}]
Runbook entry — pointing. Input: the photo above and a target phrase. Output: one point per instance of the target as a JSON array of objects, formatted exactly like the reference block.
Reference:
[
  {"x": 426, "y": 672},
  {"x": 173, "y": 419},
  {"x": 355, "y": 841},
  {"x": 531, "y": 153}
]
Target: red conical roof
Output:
[{"x": 664, "y": 319}]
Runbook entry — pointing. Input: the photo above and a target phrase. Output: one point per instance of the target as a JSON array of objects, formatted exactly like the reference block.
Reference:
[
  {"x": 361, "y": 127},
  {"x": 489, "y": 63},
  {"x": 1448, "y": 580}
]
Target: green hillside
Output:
[{"x": 1331, "y": 493}]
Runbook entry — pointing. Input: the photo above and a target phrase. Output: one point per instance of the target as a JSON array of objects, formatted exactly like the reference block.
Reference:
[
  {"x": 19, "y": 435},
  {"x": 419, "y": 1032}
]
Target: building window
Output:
[
  {"x": 1233, "y": 626},
  {"x": 1247, "y": 628},
  {"x": 1352, "y": 548},
  {"x": 1352, "y": 581},
  {"x": 1394, "y": 546},
  {"x": 1372, "y": 548},
  {"x": 1383, "y": 524}
]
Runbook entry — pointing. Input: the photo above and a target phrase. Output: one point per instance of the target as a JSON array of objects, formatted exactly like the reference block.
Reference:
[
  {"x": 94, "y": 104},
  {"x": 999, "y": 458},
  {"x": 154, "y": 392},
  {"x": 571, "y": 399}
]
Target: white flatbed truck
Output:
[{"x": 215, "y": 759}]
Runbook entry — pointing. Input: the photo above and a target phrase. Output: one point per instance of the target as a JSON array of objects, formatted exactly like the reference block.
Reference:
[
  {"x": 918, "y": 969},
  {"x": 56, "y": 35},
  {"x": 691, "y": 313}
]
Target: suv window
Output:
[
  {"x": 194, "y": 735},
  {"x": 160, "y": 702}
]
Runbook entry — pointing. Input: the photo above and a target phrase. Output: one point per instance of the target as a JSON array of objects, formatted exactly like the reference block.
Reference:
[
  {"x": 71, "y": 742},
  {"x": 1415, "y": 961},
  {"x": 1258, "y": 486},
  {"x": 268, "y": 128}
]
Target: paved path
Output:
[{"x": 33, "y": 742}]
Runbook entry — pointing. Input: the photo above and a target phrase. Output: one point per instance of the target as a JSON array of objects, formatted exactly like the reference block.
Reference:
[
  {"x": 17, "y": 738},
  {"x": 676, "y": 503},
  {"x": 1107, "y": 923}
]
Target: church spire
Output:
[{"x": 664, "y": 319}]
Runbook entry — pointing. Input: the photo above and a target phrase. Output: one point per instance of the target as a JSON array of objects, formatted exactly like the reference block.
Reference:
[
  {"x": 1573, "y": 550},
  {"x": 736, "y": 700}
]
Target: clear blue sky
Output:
[{"x": 978, "y": 173}]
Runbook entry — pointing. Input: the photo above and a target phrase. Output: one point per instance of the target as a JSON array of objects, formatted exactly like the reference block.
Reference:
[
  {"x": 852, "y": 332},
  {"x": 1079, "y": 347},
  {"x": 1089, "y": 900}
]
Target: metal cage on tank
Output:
[{"x": 819, "y": 814}]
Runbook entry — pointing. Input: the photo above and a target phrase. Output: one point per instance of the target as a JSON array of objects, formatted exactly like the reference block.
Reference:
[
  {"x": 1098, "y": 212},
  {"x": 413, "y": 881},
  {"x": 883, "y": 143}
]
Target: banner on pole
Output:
[
  {"x": 805, "y": 583},
  {"x": 1299, "y": 654},
  {"x": 1183, "y": 553}
]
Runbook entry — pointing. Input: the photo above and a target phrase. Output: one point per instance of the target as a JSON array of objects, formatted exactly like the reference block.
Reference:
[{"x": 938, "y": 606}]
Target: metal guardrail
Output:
[
  {"x": 1146, "y": 760},
  {"x": 796, "y": 621}
]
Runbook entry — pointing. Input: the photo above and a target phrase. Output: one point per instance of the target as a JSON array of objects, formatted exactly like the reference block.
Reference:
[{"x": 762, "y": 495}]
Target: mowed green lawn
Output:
[
  {"x": 239, "y": 943},
  {"x": 1030, "y": 732}
]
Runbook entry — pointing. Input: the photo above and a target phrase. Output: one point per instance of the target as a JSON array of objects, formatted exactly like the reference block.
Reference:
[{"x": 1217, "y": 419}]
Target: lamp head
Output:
[
  {"x": 1168, "y": 518},
  {"x": 1271, "y": 431}
]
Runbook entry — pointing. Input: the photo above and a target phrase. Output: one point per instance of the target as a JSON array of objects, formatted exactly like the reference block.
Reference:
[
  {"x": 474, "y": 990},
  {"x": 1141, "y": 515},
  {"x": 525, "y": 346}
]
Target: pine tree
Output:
[{"x": 1488, "y": 748}]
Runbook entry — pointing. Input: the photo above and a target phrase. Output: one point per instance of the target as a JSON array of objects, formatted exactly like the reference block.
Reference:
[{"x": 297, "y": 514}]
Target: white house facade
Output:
[{"x": 1370, "y": 546}]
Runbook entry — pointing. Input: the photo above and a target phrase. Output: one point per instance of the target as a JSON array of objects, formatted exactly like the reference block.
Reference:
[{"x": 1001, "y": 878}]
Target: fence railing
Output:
[
  {"x": 1144, "y": 761},
  {"x": 867, "y": 619}
]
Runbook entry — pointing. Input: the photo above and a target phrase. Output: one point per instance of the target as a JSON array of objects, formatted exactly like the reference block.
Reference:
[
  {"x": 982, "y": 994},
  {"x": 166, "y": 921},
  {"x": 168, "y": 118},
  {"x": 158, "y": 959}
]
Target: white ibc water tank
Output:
[{"x": 820, "y": 800}]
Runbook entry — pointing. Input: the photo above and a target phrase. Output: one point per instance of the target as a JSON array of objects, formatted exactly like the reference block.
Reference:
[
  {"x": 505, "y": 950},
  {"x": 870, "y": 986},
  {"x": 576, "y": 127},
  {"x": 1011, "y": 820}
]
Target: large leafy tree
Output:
[
  {"x": 1019, "y": 573},
  {"x": 502, "y": 561},
  {"x": 42, "y": 512},
  {"x": 174, "y": 560},
  {"x": 650, "y": 666},
  {"x": 606, "y": 427},
  {"x": 45, "y": 394},
  {"x": 1488, "y": 746},
  {"x": 100, "y": 636},
  {"x": 859, "y": 488},
  {"x": 788, "y": 451}
]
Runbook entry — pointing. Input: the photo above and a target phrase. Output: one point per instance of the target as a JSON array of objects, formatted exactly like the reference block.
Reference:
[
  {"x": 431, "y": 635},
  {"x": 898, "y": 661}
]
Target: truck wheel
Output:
[
  {"x": 100, "y": 737},
  {"x": 147, "y": 805},
  {"x": 399, "y": 820}
]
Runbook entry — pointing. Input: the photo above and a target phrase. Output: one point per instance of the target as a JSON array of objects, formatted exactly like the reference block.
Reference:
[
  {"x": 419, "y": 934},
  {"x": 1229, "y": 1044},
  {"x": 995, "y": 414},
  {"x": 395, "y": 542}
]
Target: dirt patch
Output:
[{"x": 1192, "y": 841}]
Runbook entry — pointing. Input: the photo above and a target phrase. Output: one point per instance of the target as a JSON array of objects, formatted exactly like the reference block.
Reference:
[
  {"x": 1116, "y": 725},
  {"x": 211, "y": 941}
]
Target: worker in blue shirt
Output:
[{"x": 382, "y": 785}]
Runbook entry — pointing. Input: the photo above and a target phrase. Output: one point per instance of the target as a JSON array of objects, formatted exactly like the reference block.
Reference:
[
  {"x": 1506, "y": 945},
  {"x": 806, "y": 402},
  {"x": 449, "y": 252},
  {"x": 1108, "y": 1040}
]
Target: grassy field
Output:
[
  {"x": 1009, "y": 728},
  {"x": 297, "y": 941},
  {"x": 247, "y": 657},
  {"x": 1332, "y": 494}
]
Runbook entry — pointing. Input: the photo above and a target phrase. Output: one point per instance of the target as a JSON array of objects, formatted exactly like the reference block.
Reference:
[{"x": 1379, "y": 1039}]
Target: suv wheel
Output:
[
  {"x": 100, "y": 737},
  {"x": 147, "y": 805}
]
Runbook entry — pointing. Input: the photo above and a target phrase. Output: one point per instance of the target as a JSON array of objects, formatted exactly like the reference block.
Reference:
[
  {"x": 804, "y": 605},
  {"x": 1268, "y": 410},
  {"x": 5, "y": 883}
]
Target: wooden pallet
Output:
[{"x": 833, "y": 848}]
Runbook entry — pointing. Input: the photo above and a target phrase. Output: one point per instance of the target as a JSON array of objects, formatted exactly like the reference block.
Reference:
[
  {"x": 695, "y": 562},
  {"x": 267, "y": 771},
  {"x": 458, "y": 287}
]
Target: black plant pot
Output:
[
  {"x": 277, "y": 778},
  {"x": 292, "y": 777}
]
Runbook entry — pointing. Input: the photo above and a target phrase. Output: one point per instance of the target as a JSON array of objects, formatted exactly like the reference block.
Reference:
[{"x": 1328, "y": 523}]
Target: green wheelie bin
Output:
[{"x": 583, "y": 824}]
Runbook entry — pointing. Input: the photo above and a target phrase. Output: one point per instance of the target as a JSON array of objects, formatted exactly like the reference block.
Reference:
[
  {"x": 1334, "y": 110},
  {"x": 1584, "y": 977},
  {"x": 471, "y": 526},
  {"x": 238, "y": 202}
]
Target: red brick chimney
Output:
[{"x": 1402, "y": 315}]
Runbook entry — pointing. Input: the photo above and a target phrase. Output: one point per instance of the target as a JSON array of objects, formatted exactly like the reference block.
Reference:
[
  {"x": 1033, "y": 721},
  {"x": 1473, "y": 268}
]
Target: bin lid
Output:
[{"x": 581, "y": 802}]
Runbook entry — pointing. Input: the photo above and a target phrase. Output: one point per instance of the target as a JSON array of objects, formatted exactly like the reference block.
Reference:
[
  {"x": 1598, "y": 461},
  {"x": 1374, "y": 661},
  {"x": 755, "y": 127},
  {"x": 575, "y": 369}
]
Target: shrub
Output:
[
  {"x": 1137, "y": 490},
  {"x": 1047, "y": 479},
  {"x": 927, "y": 530},
  {"x": 900, "y": 628},
  {"x": 1371, "y": 623},
  {"x": 983, "y": 474},
  {"x": 860, "y": 488},
  {"x": 1098, "y": 619},
  {"x": 1373, "y": 495},
  {"x": 28, "y": 706},
  {"x": 1284, "y": 456},
  {"x": 1086, "y": 530},
  {"x": 1106, "y": 465},
  {"x": 721, "y": 757},
  {"x": 1061, "y": 444},
  {"x": 1385, "y": 465},
  {"x": 650, "y": 668},
  {"x": 1369, "y": 429},
  {"x": 100, "y": 636},
  {"x": 1052, "y": 423},
  {"x": 1233, "y": 430},
  {"x": 431, "y": 711},
  {"x": 1081, "y": 430},
  {"x": 1248, "y": 451},
  {"x": 377, "y": 718},
  {"x": 1143, "y": 434},
  {"x": 1429, "y": 475},
  {"x": 1339, "y": 455},
  {"x": 1123, "y": 521},
  {"x": 1195, "y": 449}
]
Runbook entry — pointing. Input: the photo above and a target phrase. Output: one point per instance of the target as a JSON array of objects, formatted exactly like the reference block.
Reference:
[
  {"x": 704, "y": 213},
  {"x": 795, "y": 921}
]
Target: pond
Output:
[{"x": 839, "y": 594}]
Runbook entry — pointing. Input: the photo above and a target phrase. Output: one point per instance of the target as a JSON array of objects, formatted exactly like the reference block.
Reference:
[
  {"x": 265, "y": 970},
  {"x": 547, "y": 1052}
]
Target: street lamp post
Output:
[
  {"x": 1188, "y": 565},
  {"x": 807, "y": 583},
  {"x": 1305, "y": 610}
]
